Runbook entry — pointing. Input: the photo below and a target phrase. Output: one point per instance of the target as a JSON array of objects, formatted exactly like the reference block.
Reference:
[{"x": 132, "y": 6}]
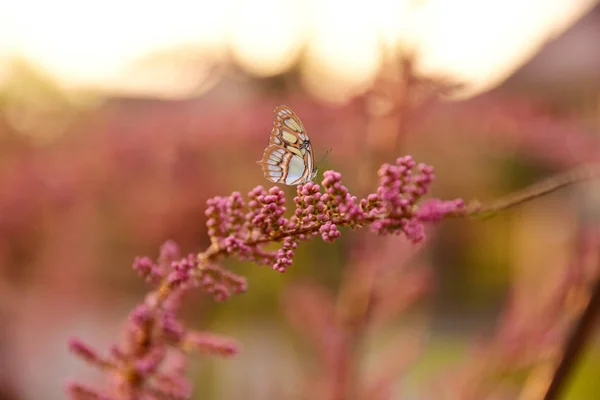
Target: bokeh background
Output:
[{"x": 118, "y": 120}]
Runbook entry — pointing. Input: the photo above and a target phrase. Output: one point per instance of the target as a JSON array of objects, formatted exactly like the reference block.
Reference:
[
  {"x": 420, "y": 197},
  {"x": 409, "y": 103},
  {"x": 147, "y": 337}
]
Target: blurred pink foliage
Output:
[
  {"x": 530, "y": 334},
  {"x": 380, "y": 283}
]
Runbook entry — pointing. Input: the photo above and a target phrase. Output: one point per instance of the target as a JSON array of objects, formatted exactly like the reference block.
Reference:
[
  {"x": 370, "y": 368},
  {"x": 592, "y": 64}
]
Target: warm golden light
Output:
[
  {"x": 342, "y": 35},
  {"x": 266, "y": 35},
  {"x": 483, "y": 42},
  {"x": 477, "y": 42}
]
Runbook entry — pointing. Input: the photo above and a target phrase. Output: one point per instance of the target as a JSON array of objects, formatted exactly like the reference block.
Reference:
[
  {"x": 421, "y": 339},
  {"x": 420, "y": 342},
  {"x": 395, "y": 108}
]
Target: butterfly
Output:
[{"x": 289, "y": 157}]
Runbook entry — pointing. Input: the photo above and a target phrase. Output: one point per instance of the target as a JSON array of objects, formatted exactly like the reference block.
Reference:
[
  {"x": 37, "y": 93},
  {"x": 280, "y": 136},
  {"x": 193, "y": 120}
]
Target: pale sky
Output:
[{"x": 83, "y": 44}]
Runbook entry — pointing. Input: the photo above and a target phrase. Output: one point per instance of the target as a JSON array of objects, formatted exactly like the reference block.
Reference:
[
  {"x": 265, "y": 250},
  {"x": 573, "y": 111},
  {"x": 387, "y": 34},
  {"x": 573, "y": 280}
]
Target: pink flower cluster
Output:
[
  {"x": 240, "y": 228},
  {"x": 138, "y": 366},
  {"x": 186, "y": 272}
]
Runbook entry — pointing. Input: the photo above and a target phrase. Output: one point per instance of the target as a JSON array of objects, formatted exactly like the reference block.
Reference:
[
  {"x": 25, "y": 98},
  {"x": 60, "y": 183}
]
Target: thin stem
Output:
[
  {"x": 575, "y": 345},
  {"x": 577, "y": 175}
]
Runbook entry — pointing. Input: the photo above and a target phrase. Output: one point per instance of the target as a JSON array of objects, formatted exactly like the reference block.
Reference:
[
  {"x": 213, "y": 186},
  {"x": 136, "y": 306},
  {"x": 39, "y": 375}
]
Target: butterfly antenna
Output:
[{"x": 323, "y": 158}]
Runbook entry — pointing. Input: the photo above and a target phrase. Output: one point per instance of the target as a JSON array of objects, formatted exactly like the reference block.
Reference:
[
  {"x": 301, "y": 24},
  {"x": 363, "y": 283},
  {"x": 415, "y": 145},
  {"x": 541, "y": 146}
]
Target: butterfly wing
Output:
[
  {"x": 287, "y": 128},
  {"x": 288, "y": 158},
  {"x": 296, "y": 171},
  {"x": 280, "y": 165},
  {"x": 310, "y": 171},
  {"x": 273, "y": 166}
]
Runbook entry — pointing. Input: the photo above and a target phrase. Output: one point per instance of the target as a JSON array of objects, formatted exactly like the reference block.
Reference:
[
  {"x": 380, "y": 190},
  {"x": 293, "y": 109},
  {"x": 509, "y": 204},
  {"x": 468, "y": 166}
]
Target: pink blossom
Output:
[
  {"x": 242, "y": 228},
  {"x": 210, "y": 343},
  {"x": 322, "y": 210},
  {"x": 434, "y": 210},
  {"x": 136, "y": 366}
]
